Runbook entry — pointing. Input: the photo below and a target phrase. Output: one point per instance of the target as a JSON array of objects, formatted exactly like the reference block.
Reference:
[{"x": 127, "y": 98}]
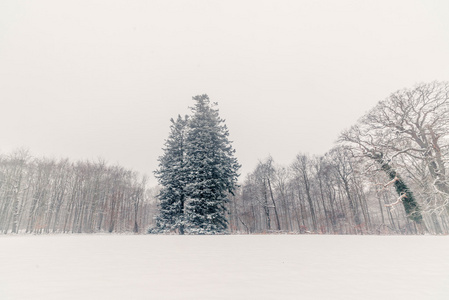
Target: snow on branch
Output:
[
  {"x": 399, "y": 200},
  {"x": 384, "y": 186}
]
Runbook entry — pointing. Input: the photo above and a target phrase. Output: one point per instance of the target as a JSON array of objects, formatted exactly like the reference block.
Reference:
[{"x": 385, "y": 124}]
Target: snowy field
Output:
[{"x": 224, "y": 267}]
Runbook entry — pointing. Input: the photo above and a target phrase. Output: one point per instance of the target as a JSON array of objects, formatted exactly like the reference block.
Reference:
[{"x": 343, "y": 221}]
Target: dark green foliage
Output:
[
  {"x": 197, "y": 172},
  {"x": 212, "y": 169},
  {"x": 172, "y": 177},
  {"x": 410, "y": 205}
]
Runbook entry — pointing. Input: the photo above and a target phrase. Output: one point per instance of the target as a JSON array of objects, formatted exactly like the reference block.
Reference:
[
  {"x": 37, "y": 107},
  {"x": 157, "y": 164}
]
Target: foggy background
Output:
[{"x": 89, "y": 79}]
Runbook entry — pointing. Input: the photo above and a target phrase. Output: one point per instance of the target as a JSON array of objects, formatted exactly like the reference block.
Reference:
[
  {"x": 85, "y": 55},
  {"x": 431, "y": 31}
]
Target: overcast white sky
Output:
[{"x": 88, "y": 79}]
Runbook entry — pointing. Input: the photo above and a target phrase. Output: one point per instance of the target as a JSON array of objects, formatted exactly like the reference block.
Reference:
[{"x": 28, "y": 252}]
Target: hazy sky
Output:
[{"x": 89, "y": 79}]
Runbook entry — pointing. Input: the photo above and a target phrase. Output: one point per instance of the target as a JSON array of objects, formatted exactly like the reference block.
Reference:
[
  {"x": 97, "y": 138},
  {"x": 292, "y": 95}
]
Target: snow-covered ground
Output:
[{"x": 224, "y": 267}]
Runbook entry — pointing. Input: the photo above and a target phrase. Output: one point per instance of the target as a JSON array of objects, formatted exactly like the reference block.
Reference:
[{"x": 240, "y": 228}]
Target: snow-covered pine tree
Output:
[
  {"x": 211, "y": 169},
  {"x": 171, "y": 175}
]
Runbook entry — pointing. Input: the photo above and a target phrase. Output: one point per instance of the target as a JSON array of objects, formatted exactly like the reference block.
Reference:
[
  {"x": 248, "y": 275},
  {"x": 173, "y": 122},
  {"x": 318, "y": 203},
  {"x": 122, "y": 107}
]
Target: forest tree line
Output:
[
  {"x": 387, "y": 174},
  {"x": 40, "y": 195}
]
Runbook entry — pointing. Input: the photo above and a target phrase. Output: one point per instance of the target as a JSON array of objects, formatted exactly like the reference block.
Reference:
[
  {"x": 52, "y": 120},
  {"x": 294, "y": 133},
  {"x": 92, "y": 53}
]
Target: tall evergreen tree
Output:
[
  {"x": 211, "y": 169},
  {"x": 171, "y": 175}
]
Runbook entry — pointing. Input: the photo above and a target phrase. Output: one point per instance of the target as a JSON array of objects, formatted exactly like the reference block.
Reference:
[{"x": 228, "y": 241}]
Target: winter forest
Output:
[{"x": 387, "y": 174}]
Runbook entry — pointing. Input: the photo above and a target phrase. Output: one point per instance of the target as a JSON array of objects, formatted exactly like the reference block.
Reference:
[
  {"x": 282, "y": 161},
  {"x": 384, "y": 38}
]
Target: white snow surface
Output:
[{"x": 224, "y": 267}]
